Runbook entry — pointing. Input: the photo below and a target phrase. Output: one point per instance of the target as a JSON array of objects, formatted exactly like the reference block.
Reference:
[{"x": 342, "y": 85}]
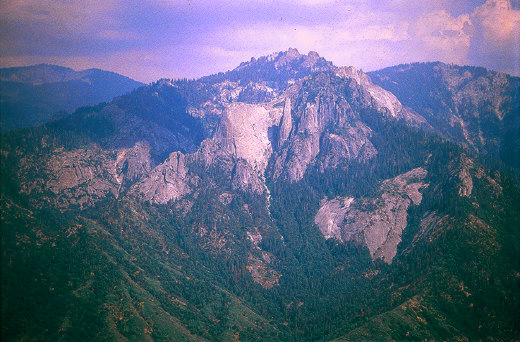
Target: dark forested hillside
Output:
[
  {"x": 36, "y": 94},
  {"x": 284, "y": 200}
]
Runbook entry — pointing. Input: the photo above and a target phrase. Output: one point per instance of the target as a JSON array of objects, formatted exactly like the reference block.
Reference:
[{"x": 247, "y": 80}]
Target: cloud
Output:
[
  {"x": 496, "y": 36},
  {"x": 442, "y": 35}
]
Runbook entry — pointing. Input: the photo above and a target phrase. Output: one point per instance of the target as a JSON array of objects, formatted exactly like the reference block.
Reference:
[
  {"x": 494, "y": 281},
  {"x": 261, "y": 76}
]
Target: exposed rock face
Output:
[
  {"x": 382, "y": 98},
  {"x": 72, "y": 179},
  {"x": 243, "y": 132},
  {"x": 261, "y": 272},
  {"x": 309, "y": 118},
  {"x": 283, "y": 59},
  {"x": 244, "y": 141},
  {"x": 331, "y": 215},
  {"x": 308, "y": 123},
  {"x": 325, "y": 123},
  {"x": 431, "y": 224},
  {"x": 467, "y": 174},
  {"x": 377, "y": 223},
  {"x": 246, "y": 178},
  {"x": 286, "y": 125},
  {"x": 83, "y": 177},
  {"x": 352, "y": 144},
  {"x": 133, "y": 163},
  {"x": 303, "y": 146},
  {"x": 167, "y": 181},
  {"x": 289, "y": 63}
]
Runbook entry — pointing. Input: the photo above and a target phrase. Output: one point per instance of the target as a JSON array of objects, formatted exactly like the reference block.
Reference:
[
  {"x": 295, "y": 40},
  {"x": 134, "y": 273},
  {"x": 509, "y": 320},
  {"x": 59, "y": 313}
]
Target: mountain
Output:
[
  {"x": 35, "y": 94},
  {"x": 287, "y": 199}
]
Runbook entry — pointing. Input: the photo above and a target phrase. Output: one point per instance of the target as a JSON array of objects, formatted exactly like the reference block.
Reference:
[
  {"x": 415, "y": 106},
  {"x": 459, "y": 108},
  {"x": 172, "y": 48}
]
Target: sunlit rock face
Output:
[
  {"x": 133, "y": 163},
  {"x": 307, "y": 116},
  {"x": 243, "y": 132},
  {"x": 377, "y": 223},
  {"x": 244, "y": 141}
]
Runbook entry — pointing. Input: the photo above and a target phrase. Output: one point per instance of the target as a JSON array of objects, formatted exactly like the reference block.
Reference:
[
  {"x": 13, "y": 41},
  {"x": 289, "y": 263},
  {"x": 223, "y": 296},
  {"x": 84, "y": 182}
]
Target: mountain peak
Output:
[{"x": 292, "y": 55}]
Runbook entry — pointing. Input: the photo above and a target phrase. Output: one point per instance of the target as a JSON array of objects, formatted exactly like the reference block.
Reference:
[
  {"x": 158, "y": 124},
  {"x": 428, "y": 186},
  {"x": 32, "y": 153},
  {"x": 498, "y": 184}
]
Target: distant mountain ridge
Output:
[{"x": 34, "y": 94}]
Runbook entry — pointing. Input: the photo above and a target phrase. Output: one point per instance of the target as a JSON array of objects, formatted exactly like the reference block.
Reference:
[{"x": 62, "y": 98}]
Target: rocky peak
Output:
[
  {"x": 288, "y": 64},
  {"x": 350, "y": 72},
  {"x": 282, "y": 58},
  {"x": 311, "y": 59},
  {"x": 324, "y": 122}
]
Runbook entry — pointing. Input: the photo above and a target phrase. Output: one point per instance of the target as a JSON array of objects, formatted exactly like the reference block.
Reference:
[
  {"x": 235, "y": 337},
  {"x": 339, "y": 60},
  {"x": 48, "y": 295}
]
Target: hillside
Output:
[
  {"x": 35, "y": 94},
  {"x": 472, "y": 106}
]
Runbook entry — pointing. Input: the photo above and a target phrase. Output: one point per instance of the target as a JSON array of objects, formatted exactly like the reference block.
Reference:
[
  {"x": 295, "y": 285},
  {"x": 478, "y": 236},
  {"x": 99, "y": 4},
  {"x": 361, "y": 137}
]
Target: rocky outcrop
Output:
[
  {"x": 377, "y": 223},
  {"x": 326, "y": 128},
  {"x": 352, "y": 144},
  {"x": 285, "y": 58},
  {"x": 331, "y": 215},
  {"x": 80, "y": 178},
  {"x": 430, "y": 226},
  {"x": 381, "y": 99},
  {"x": 167, "y": 181},
  {"x": 310, "y": 118},
  {"x": 286, "y": 124},
  {"x": 259, "y": 262},
  {"x": 246, "y": 178},
  {"x": 303, "y": 146},
  {"x": 70, "y": 179},
  {"x": 244, "y": 141},
  {"x": 288, "y": 63},
  {"x": 133, "y": 163},
  {"x": 261, "y": 272}
]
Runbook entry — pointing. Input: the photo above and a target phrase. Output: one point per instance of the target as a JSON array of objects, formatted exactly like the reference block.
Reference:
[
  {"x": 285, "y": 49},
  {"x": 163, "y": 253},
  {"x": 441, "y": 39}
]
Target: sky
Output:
[{"x": 152, "y": 39}]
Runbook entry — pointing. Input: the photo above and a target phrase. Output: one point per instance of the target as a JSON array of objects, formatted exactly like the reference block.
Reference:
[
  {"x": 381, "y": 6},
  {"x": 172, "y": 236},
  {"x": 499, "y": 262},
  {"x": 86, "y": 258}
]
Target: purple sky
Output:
[{"x": 152, "y": 39}]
